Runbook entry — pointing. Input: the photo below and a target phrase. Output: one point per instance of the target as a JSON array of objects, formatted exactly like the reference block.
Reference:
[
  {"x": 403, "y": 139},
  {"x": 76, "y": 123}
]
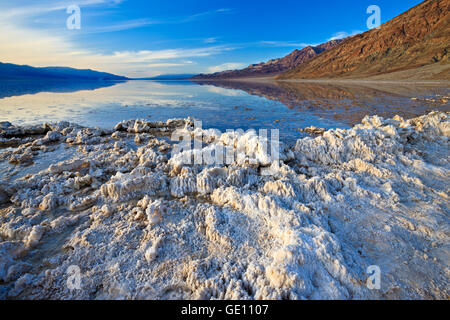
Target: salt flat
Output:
[{"x": 138, "y": 223}]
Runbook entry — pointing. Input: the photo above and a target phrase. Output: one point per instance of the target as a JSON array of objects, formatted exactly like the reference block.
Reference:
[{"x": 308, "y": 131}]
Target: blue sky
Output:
[{"x": 140, "y": 38}]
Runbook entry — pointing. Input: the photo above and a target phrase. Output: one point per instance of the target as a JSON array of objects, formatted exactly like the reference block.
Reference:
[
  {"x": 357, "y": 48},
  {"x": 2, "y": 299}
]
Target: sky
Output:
[{"x": 143, "y": 38}]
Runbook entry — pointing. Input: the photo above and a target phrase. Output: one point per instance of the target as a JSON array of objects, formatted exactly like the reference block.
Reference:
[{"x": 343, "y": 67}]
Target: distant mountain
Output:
[
  {"x": 414, "y": 45},
  {"x": 275, "y": 66},
  {"x": 169, "y": 77},
  {"x": 9, "y": 71}
]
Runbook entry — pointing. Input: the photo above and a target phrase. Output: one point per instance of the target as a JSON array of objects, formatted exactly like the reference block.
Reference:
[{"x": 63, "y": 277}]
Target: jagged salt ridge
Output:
[{"x": 142, "y": 225}]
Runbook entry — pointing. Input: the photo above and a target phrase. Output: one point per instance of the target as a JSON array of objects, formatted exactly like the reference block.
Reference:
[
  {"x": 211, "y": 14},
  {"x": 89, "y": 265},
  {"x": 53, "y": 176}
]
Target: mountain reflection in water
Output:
[
  {"x": 348, "y": 102},
  {"x": 12, "y": 88}
]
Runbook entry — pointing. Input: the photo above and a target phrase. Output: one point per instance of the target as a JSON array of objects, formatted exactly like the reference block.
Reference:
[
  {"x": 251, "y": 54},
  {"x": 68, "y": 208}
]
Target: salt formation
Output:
[{"x": 142, "y": 224}]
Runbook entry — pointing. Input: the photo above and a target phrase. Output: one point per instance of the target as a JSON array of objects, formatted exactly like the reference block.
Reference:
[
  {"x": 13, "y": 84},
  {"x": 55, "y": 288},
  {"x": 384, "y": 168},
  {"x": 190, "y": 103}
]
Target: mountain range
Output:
[
  {"x": 275, "y": 66},
  {"x": 413, "y": 46}
]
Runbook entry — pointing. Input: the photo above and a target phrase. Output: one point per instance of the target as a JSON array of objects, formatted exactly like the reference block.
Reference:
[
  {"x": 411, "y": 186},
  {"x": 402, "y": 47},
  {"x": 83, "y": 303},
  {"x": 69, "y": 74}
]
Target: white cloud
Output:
[
  {"x": 225, "y": 92},
  {"x": 123, "y": 25},
  {"x": 137, "y": 23},
  {"x": 149, "y": 55},
  {"x": 36, "y": 48},
  {"x": 22, "y": 43},
  {"x": 210, "y": 40},
  {"x": 39, "y": 47},
  {"x": 343, "y": 34},
  {"x": 50, "y": 6},
  {"x": 197, "y": 16},
  {"x": 168, "y": 65},
  {"x": 226, "y": 66},
  {"x": 285, "y": 44}
]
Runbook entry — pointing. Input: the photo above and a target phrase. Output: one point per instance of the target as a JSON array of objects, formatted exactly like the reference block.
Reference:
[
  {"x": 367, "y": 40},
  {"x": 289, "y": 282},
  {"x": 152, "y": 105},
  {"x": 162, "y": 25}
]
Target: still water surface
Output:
[{"x": 286, "y": 106}]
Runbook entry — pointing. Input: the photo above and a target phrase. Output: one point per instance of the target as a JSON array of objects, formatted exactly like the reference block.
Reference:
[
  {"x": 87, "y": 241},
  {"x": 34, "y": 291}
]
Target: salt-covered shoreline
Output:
[{"x": 142, "y": 225}]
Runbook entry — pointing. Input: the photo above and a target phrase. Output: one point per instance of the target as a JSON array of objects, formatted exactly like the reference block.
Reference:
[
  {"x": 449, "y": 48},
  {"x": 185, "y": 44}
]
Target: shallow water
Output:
[
  {"x": 286, "y": 106},
  {"x": 41, "y": 161}
]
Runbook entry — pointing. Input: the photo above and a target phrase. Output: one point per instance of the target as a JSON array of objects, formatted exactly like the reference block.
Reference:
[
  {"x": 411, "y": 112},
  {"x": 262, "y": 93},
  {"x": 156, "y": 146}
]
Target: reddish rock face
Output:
[
  {"x": 275, "y": 66},
  {"x": 417, "y": 38}
]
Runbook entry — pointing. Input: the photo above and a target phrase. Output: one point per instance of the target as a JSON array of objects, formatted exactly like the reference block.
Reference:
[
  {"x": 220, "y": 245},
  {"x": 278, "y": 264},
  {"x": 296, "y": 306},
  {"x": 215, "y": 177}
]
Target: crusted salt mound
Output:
[
  {"x": 142, "y": 224},
  {"x": 143, "y": 126},
  {"x": 137, "y": 183},
  {"x": 375, "y": 140}
]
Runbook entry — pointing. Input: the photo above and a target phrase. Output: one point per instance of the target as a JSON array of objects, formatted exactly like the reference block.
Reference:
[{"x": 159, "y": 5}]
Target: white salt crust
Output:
[{"x": 143, "y": 225}]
